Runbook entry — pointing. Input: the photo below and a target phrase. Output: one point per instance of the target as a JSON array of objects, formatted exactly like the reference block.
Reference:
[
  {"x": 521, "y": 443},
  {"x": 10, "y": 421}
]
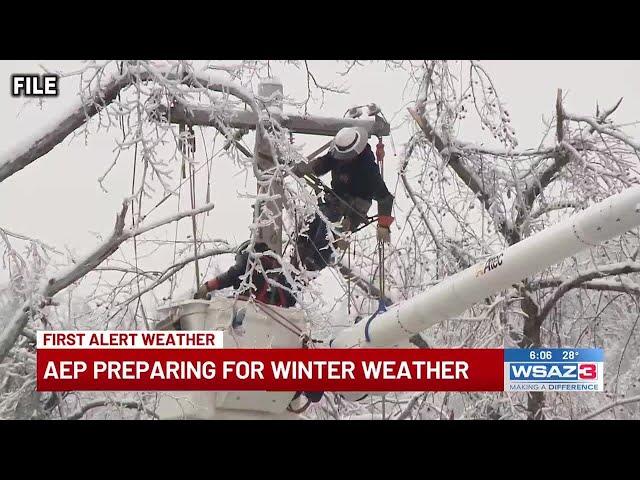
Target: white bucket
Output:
[{"x": 262, "y": 326}]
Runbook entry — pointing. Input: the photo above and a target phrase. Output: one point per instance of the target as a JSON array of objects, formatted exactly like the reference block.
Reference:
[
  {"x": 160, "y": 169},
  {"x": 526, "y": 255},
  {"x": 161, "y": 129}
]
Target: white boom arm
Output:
[{"x": 602, "y": 221}]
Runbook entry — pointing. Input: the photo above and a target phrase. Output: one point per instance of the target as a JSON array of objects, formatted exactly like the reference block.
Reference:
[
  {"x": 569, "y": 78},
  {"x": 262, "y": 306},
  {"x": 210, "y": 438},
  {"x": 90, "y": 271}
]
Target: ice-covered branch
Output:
[
  {"x": 553, "y": 206},
  {"x": 472, "y": 148},
  {"x": 54, "y": 285},
  {"x": 43, "y": 245},
  {"x": 623, "y": 286},
  {"x": 468, "y": 176},
  {"x": 610, "y": 406},
  {"x": 598, "y": 272},
  {"x": 132, "y": 404},
  {"x": 100, "y": 96},
  {"x": 412, "y": 196},
  {"x": 595, "y": 126},
  {"x": 38, "y": 144},
  {"x": 175, "y": 268}
]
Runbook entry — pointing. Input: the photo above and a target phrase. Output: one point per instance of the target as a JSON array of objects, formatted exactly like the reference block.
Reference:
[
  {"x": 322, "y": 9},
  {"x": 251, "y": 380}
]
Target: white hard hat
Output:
[{"x": 349, "y": 143}]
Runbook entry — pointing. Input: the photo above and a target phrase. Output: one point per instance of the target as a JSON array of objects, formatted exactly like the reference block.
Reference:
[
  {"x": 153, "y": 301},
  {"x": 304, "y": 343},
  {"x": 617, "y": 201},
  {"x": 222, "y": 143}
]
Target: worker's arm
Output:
[
  {"x": 230, "y": 278},
  {"x": 318, "y": 166}
]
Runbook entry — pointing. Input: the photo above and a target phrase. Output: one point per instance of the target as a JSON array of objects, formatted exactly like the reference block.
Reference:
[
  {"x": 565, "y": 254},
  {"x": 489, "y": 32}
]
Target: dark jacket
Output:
[
  {"x": 359, "y": 177},
  {"x": 264, "y": 292}
]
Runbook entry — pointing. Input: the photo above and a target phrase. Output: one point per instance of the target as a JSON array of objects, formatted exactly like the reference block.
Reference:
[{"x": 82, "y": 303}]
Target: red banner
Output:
[{"x": 337, "y": 370}]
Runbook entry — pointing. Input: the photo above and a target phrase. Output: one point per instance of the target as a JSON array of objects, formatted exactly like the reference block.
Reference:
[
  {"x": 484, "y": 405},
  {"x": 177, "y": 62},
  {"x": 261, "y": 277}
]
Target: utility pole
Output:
[
  {"x": 270, "y": 96},
  {"x": 271, "y": 93}
]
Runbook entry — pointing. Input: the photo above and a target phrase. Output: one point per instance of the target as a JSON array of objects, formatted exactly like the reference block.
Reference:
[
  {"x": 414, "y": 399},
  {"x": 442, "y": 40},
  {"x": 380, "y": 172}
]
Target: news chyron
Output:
[
  {"x": 554, "y": 369},
  {"x": 34, "y": 85}
]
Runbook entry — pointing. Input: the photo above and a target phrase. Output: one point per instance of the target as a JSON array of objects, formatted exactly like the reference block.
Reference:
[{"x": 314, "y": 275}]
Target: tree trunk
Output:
[{"x": 531, "y": 339}]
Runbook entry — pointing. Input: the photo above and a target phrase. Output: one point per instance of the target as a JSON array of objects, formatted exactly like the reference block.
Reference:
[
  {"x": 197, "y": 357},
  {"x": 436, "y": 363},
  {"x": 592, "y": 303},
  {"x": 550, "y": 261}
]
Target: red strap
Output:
[
  {"x": 262, "y": 294},
  {"x": 380, "y": 151}
]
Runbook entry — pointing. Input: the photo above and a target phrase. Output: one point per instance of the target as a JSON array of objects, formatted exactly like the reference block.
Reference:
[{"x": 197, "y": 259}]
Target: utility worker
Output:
[
  {"x": 356, "y": 181},
  {"x": 265, "y": 293}
]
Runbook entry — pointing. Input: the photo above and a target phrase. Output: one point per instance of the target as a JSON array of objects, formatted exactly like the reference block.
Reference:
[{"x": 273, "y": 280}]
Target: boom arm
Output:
[{"x": 602, "y": 221}]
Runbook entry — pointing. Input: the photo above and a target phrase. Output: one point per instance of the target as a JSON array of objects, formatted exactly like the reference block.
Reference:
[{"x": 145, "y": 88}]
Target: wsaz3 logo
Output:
[
  {"x": 554, "y": 371},
  {"x": 491, "y": 264}
]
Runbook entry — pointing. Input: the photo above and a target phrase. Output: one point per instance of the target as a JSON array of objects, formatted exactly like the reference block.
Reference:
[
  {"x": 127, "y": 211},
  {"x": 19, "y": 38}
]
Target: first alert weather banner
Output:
[{"x": 197, "y": 361}]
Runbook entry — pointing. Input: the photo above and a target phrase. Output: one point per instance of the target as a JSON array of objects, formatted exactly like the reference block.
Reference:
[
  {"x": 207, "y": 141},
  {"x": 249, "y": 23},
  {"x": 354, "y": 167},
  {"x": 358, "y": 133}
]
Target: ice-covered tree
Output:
[{"x": 459, "y": 201}]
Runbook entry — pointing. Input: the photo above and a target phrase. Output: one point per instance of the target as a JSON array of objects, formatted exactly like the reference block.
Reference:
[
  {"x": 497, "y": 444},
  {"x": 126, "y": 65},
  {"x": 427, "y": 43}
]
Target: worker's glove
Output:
[
  {"x": 301, "y": 169},
  {"x": 383, "y": 234},
  {"x": 205, "y": 288},
  {"x": 342, "y": 243},
  {"x": 202, "y": 292}
]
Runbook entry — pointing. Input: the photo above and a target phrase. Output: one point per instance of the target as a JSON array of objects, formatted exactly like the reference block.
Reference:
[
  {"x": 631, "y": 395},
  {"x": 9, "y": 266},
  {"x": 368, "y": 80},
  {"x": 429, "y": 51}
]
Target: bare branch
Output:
[{"x": 418, "y": 205}]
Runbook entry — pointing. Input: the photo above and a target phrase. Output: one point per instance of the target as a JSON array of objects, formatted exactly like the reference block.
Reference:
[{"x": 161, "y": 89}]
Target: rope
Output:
[
  {"x": 175, "y": 245},
  {"x": 381, "y": 272},
  {"x": 301, "y": 409},
  {"x": 268, "y": 309},
  {"x": 188, "y": 148},
  {"x": 349, "y": 278},
  {"x": 381, "y": 255},
  {"x": 288, "y": 324}
]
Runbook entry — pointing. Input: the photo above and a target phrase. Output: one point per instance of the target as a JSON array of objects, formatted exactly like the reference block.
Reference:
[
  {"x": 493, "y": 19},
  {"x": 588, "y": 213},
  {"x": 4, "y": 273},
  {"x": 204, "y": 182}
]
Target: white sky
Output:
[{"x": 57, "y": 199}]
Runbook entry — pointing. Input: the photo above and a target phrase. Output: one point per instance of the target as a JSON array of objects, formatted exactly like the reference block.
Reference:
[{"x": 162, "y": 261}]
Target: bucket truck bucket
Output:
[{"x": 244, "y": 325}]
